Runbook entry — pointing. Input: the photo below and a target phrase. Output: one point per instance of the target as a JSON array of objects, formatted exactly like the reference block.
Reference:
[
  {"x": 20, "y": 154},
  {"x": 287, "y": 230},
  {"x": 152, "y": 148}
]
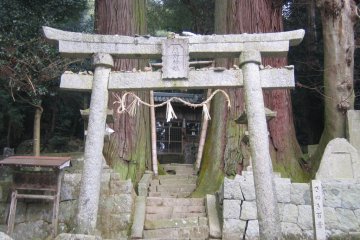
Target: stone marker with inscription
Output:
[
  {"x": 340, "y": 161},
  {"x": 318, "y": 210}
]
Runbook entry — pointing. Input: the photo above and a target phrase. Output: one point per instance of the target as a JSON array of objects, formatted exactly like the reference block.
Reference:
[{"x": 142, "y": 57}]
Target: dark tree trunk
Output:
[
  {"x": 37, "y": 127},
  {"x": 129, "y": 148},
  {"x": 338, "y": 19},
  {"x": 8, "y": 135},
  {"x": 224, "y": 147}
]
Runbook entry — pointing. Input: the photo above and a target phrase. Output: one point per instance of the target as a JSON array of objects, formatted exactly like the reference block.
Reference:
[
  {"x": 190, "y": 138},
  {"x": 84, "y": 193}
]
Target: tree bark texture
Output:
[
  {"x": 37, "y": 127},
  {"x": 338, "y": 19},
  {"x": 129, "y": 149},
  {"x": 224, "y": 147}
]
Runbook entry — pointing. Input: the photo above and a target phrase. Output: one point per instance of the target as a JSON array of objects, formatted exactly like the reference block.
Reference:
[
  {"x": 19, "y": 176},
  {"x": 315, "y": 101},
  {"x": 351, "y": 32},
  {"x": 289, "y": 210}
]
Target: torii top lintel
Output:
[{"x": 200, "y": 46}]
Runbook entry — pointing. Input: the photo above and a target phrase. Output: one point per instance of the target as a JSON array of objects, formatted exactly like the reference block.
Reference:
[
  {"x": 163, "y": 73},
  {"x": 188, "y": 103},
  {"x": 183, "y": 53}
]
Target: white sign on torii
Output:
[{"x": 248, "y": 47}]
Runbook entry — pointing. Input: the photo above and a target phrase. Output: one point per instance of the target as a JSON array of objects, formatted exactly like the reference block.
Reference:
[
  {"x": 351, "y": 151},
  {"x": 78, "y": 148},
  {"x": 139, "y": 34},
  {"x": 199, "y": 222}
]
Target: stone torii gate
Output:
[{"x": 175, "y": 53}]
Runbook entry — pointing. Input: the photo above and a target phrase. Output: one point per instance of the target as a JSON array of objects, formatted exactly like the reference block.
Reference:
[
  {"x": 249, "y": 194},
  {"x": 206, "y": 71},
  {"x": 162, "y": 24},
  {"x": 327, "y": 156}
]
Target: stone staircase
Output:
[{"x": 170, "y": 212}]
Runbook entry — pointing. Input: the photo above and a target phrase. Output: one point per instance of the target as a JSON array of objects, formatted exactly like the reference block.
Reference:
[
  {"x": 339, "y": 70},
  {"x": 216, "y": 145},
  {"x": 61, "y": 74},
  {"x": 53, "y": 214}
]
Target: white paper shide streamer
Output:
[
  {"x": 206, "y": 113},
  {"x": 170, "y": 113}
]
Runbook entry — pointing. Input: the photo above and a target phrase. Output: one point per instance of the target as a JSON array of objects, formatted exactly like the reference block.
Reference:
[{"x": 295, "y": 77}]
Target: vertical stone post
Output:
[
  {"x": 91, "y": 178},
  {"x": 266, "y": 200},
  {"x": 153, "y": 135}
]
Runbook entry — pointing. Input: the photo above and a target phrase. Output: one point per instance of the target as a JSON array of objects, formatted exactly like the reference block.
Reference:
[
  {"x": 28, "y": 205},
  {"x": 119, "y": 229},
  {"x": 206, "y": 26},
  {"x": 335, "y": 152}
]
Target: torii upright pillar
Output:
[
  {"x": 266, "y": 200},
  {"x": 91, "y": 177}
]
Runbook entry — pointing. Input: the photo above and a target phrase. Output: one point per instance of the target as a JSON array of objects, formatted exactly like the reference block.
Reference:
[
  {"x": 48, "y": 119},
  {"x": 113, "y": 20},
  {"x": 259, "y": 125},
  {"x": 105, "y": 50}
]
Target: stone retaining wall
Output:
[
  {"x": 33, "y": 217},
  {"x": 341, "y": 208}
]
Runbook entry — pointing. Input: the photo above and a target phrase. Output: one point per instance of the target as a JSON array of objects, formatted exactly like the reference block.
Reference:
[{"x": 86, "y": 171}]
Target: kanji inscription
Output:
[
  {"x": 175, "y": 58},
  {"x": 318, "y": 210}
]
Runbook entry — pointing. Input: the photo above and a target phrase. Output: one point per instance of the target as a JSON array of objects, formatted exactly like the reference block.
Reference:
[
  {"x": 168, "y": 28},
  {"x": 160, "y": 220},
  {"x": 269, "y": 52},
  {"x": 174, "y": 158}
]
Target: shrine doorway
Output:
[{"x": 177, "y": 141}]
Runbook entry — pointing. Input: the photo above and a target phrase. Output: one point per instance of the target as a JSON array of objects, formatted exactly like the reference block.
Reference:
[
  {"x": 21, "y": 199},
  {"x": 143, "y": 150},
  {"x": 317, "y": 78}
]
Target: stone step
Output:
[
  {"x": 182, "y": 173},
  {"x": 173, "y": 181},
  {"x": 174, "y": 233},
  {"x": 170, "y": 215},
  {"x": 170, "y": 194},
  {"x": 175, "y": 209},
  {"x": 159, "y": 201},
  {"x": 180, "y": 169},
  {"x": 173, "y": 177},
  {"x": 176, "y": 188},
  {"x": 173, "y": 188},
  {"x": 177, "y": 166},
  {"x": 175, "y": 223},
  {"x": 173, "y": 238}
]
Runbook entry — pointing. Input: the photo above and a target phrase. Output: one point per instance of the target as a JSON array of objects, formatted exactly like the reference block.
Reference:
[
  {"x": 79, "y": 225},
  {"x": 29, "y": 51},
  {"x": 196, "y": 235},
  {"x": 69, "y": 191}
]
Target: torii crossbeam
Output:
[{"x": 175, "y": 53}]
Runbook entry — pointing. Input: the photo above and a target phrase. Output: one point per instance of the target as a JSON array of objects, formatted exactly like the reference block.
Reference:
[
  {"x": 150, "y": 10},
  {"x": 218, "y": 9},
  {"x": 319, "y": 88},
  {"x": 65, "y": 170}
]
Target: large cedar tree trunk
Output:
[
  {"x": 338, "y": 19},
  {"x": 224, "y": 148},
  {"x": 128, "y": 150}
]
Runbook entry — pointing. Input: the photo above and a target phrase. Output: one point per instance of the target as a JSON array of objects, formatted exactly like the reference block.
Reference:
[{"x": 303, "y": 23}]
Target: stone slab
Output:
[
  {"x": 353, "y": 128},
  {"x": 69, "y": 236},
  {"x": 157, "y": 201},
  {"x": 174, "y": 223},
  {"x": 175, "y": 58},
  {"x": 300, "y": 194},
  {"x": 176, "y": 188},
  {"x": 175, "y": 233},
  {"x": 232, "y": 189},
  {"x": 247, "y": 186},
  {"x": 291, "y": 231},
  {"x": 347, "y": 221},
  {"x": 208, "y": 46},
  {"x": 252, "y": 230},
  {"x": 32, "y": 230},
  {"x": 270, "y": 78},
  {"x": 190, "y": 209},
  {"x": 231, "y": 209},
  {"x": 283, "y": 189},
  {"x": 305, "y": 220},
  {"x": 3, "y": 236},
  {"x": 340, "y": 161},
  {"x": 290, "y": 213},
  {"x": 139, "y": 217},
  {"x": 214, "y": 223},
  {"x": 248, "y": 210},
  {"x": 233, "y": 229}
]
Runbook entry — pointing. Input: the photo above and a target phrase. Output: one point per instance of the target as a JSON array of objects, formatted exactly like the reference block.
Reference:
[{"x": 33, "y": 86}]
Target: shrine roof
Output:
[{"x": 39, "y": 161}]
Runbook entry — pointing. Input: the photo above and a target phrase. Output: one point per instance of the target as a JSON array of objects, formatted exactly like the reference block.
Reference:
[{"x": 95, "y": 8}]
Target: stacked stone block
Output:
[
  {"x": 341, "y": 208},
  {"x": 33, "y": 218}
]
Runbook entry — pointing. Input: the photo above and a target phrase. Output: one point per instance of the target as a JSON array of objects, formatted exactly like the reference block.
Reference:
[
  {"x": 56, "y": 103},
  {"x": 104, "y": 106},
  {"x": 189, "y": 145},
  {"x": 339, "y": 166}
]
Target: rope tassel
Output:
[
  {"x": 132, "y": 107},
  {"x": 206, "y": 113},
  {"x": 170, "y": 113}
]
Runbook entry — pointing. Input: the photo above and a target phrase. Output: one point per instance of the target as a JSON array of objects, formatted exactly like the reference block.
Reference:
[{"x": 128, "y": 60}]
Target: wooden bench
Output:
[{"x": 36, "y": 178}]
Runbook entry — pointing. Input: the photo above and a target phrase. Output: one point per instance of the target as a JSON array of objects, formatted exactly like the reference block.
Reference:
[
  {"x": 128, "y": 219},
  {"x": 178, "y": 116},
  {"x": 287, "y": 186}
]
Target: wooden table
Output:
[{"x": 36, "y": 178}]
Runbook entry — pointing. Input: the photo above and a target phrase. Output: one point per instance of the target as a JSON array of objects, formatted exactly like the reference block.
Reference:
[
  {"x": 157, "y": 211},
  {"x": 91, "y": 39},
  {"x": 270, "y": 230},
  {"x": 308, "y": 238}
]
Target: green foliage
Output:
[
  {"x": 29, "y": 66},
  {"x": 181, "y": 15},
  {"x": 27, "y": 62},
  {"x": 22, "y": 19}
]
